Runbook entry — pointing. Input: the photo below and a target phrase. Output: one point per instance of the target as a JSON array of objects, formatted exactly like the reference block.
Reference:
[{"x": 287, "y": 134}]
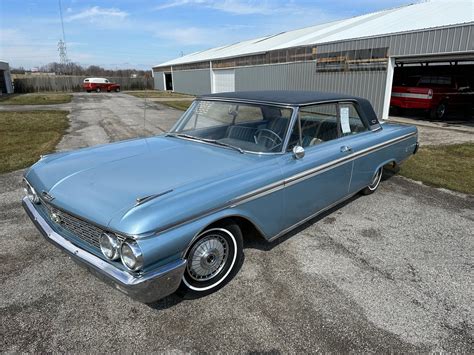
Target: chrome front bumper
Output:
[{"x": 146, "y": 288}]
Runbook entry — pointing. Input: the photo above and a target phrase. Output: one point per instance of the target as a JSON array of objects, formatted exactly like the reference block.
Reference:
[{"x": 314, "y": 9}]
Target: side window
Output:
[
  {"x": 318, "y": 124},
  {"x": 351, "y": 123}
]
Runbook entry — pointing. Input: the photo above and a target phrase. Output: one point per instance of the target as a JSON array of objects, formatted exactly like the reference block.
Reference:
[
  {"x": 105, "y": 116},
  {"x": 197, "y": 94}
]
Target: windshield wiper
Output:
[
  {"x": 182, "y": 135},
  {"x": 216, "y": 142},
  {"x": 206, "y": 140}
]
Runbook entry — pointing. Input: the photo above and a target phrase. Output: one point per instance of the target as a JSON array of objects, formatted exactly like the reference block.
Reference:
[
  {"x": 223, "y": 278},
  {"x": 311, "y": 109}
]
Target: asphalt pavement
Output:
[{"x": 392, "y": 271}]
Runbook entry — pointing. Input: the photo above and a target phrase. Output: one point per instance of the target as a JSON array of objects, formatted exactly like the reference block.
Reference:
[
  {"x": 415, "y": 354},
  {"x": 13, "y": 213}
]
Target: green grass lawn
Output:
[
  {"x": 35, "y": 99},
  {"x": 24, "y": 136},
  {"x": 155, "y": 94},
  {"x": 448, "y": 166},
  {"x": 179, "y": 105}
]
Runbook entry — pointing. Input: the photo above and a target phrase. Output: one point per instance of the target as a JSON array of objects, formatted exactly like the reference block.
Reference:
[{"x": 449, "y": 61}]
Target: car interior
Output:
[
  {"x": 263, "y": 128},
  {"x": 251, "y": 128}
]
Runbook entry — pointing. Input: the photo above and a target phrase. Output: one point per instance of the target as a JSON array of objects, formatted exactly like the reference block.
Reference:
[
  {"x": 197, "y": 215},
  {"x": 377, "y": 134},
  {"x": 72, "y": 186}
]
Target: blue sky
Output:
[{"x": 140, "y": 34}]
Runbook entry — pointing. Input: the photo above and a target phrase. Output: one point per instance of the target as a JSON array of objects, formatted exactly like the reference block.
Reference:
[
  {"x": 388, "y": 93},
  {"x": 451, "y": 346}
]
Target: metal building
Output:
[
  {"x": 356, "y": 56},
  {"x": 6, "y": 86}
]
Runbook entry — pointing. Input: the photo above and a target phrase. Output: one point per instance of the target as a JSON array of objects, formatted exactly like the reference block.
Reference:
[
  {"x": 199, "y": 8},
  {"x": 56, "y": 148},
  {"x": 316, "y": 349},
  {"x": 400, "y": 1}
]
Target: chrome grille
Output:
[{"x": 86, "y": 231}]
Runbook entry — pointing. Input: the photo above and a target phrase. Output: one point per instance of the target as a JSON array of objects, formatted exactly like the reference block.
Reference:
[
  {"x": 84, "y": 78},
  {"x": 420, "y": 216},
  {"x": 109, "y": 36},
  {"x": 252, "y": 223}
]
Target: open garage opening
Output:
[
  {"x": 168, "y": 81},
  {"x": 434, "y": 89}
]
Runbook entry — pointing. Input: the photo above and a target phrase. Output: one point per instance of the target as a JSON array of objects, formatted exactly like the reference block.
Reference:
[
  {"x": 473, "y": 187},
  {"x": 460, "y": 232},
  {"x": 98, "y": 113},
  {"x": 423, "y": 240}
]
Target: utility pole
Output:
[{"x": 63, "y": 59}]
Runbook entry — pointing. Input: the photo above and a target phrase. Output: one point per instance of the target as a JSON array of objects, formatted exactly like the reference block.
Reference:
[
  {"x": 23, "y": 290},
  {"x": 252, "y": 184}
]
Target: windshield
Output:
[{"x": 245, "y": 127}]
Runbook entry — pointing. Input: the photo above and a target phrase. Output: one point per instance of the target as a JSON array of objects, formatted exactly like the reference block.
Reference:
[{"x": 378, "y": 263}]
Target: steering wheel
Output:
[{"x": 274, "y": 138}]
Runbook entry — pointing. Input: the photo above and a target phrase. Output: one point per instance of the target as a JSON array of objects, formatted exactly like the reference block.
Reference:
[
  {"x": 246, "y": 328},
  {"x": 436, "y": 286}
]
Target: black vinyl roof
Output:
[
  {"x": 296, "y": 98},
  {"x": 283, "y": 97}
]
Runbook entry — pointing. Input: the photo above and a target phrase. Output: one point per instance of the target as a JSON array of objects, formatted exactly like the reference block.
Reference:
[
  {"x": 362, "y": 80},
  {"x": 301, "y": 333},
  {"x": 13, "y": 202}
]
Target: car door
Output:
[
  {"x": 322, "y": 177},
  {"x": 355, "y": 134}
]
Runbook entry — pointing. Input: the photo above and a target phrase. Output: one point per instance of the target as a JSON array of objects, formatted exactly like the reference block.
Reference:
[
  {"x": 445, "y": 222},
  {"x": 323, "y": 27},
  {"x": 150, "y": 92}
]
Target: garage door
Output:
[{"x": 224, "y": 80}]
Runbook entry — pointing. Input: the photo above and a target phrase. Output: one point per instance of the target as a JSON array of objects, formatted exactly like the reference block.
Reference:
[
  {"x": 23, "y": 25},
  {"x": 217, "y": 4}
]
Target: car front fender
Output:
[{"x": 163, "y": 247}]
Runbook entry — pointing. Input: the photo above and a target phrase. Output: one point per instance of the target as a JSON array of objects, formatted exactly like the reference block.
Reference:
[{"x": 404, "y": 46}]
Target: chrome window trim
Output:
[
  {"x": 246, "y": 101},
  {"x": 293, "y": 119},
  {"x": 178, "y": 123}
]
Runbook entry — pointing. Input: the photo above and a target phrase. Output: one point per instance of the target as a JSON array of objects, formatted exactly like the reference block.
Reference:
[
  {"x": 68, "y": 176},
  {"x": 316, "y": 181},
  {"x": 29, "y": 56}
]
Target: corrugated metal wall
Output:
[
  {"x": 159, "y": 80},
  {"x": 196, "y": 82},
  {"x": 435, "y": 41},
  {"x": 367, "y": 84},
  {"x": 303, "y": 76}
]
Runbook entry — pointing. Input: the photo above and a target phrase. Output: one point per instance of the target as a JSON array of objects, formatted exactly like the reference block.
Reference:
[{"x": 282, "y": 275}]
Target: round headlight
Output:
[
  {"x": 31, "y": 193},
  {"x": 131, "y": 256},
  {"x": 109, "y": 245}
]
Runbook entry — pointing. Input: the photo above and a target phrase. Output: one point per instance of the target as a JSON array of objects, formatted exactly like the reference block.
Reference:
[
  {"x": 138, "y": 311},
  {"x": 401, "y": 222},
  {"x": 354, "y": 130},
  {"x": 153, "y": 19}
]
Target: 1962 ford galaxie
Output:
[{"x": 153, "y": 215}]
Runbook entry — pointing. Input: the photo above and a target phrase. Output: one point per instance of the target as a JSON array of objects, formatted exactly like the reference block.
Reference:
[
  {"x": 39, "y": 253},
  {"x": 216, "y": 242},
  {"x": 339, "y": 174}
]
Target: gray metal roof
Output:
[{"x": 420, "y": 16}]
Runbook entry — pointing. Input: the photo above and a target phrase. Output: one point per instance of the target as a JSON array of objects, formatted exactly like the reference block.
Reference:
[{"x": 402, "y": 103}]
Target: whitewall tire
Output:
[
  {"x": 370, "y": 189},
  {"x": 212, "y": 259}
]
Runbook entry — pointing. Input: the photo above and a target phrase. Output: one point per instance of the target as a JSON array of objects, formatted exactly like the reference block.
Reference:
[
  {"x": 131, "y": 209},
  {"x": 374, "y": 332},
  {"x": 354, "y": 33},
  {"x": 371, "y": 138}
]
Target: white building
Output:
[
  {"x": 360, "y": 56},
  {"x": 6, "y": 86}
]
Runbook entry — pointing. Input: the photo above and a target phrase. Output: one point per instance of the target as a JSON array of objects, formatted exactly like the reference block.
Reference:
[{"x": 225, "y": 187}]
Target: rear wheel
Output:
[
  {"x": 213, "y": 259},
  {"x": 439, "y": 112},
  {"x": 370, "y": 189},
  {"x": 117, "y": 90}
]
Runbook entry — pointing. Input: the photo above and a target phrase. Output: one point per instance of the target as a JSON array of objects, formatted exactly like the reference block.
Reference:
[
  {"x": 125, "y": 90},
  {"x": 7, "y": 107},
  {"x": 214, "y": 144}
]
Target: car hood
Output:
[{"x": 102, "y": 182}]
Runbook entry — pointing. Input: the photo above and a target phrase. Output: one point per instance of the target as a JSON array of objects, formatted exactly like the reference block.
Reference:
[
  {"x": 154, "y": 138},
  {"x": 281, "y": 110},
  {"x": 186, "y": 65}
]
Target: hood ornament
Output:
[{"x": 47, "y": 196}]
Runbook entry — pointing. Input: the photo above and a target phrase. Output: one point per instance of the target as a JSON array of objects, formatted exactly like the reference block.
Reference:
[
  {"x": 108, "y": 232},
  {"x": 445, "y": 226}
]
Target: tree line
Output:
[{"x": 77, "y": 69}]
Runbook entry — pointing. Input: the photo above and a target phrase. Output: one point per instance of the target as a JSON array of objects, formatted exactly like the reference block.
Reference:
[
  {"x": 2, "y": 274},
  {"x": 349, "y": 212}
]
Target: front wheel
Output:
[
  {"x": 370, "y": 189},
  {"x": 117, "y": 90},
  {"x": 213, "y": 259}
]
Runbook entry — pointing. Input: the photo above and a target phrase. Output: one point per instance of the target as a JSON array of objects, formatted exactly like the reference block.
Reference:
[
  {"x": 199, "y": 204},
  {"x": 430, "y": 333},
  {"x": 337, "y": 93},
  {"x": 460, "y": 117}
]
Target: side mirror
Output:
[{"x": 298, "y": 152}]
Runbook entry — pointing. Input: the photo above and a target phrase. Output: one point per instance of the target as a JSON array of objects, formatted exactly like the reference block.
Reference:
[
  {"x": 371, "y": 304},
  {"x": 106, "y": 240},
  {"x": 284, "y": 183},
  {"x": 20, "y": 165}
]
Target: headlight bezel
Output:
[
  {"x": 136, "y": 255},
  {"x": 113, "y": 246},
  {"x": 30, "y": 192}
]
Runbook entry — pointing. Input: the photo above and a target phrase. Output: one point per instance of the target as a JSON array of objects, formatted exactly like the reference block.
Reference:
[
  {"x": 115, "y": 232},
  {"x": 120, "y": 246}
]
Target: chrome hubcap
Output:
[{"x": 208, "y": 257}]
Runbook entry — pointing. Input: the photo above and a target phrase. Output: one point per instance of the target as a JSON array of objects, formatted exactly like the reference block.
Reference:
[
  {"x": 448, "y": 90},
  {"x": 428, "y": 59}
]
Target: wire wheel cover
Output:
[{"x": 208, "y": 257}]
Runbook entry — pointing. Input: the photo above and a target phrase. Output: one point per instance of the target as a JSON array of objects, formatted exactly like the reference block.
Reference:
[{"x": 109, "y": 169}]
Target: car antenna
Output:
[{"x": 144, "y": 109}]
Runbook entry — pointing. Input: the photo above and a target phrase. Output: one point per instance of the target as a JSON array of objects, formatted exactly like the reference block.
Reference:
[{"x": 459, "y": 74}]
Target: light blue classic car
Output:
[{"x": 153, "y": 215}]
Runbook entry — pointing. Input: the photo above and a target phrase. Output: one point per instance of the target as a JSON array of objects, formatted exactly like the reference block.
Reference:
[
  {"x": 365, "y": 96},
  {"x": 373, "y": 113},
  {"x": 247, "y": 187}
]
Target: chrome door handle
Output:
[{"x": 345, "y": 149}]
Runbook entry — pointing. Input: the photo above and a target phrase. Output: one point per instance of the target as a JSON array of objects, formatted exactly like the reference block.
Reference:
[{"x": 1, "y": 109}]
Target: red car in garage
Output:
[
  {"x": 99, "y": 84},
  {"x": 434, "y": 94}
]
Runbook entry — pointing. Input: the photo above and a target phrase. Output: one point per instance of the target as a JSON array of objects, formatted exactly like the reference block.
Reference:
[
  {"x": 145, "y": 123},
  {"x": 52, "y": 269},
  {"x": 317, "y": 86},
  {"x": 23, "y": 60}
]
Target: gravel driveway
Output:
[{"x": 391, "y": 271}]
